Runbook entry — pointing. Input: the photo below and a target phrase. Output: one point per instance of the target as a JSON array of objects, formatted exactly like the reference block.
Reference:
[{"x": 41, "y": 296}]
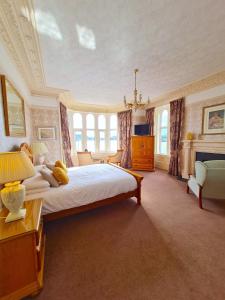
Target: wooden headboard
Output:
[{"x": 27, "y": 149}]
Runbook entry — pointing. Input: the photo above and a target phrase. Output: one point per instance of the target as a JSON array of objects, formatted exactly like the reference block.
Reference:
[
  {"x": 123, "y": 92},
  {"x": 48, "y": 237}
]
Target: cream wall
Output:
[{"x": 9, "y": 69}]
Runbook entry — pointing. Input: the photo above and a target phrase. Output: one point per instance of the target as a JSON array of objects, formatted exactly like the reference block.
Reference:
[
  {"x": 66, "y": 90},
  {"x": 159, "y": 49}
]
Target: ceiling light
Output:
[{"x": 136, "y": 103}]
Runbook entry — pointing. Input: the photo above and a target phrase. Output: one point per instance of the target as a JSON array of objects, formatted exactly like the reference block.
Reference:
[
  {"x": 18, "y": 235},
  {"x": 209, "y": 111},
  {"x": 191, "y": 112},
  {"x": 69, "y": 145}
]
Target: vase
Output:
[{"x": 13, "y": 195}]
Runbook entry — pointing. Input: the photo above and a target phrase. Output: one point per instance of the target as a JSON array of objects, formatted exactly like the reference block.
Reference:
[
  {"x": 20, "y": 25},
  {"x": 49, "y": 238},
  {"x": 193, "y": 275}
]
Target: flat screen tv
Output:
[{"x": 142, "y": 129}]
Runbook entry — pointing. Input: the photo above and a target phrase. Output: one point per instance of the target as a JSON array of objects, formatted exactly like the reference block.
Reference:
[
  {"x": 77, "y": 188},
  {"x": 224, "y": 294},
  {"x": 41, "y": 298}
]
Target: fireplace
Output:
[
  {"x": 203, "y": 156},
  {"x": 201, "y": 150}
]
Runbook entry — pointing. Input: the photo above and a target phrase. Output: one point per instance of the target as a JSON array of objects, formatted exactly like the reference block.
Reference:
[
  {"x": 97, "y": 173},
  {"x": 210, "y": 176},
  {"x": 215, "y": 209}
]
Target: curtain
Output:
[
  {"x": 176, "y": 122},
  {"x": 150, "y": 119},
  {"x": 124, "y": 122},
  {"x": 65, "y": 135}
]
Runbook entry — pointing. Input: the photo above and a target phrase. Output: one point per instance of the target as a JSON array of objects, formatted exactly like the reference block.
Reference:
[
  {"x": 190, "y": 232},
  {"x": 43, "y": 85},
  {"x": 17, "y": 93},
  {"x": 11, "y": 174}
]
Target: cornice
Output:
[
  {"x": 67, "y": 99},
  {"x": 191, "y": 88},
  {"x": 19, "y": 35}
]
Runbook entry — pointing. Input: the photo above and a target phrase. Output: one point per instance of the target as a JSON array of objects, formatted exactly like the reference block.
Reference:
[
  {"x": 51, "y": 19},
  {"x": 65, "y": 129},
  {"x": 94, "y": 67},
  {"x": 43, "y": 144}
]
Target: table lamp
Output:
[
  {"x": 14, "y": 167},
  {"x": 38, "y": 149}
]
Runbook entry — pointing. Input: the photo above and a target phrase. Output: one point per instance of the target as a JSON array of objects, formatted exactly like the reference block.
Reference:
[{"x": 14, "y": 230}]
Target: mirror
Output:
[{"x": 13, "y": 105}]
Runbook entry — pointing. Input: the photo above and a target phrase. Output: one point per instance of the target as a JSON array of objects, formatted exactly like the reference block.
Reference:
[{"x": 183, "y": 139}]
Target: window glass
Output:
[
  {"x": 113, "y": 122},
  {"x": 91, "y": 140},
  {"x": 164, "y": 118},
  {"x": 101, "y": 141},
  {"x": 90, "y": 121},
  {"x": 78, "y": 140},
  {"x": 101, "y": 122},
  {"x": 163, "y": 140},
  {"x": 113, "y": 140},
  {"x": 77, "y": 120}
]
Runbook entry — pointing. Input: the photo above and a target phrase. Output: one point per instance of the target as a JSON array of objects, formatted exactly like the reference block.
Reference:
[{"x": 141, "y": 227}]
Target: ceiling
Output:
[
  {"x": 84, "y": 52},
  {"x": 91, "y": 47}
]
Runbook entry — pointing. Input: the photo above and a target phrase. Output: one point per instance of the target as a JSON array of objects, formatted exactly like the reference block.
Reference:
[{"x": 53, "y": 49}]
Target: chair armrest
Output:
[{"x": 200, "y": 172}]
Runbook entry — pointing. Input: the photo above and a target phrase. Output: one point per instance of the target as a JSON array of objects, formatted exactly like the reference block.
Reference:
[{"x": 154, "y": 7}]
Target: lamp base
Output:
[{"x": 16, "y": 216}]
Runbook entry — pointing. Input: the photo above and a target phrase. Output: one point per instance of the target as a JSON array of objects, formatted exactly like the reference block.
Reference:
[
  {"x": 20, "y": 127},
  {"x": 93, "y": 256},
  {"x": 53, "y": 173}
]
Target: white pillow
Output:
[
  {"x": 39, "y": 168},
  {"x": 35, "y": 182},
  {"x": 36, "y": 191}
]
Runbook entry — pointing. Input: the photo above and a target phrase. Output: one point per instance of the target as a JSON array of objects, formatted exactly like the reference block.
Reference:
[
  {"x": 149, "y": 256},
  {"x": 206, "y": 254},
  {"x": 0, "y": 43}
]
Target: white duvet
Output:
[{"x": 87, "y": 184}]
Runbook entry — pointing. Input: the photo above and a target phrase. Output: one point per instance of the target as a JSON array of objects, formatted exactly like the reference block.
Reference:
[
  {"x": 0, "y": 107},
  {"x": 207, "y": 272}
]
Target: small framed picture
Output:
[
  {"x": 46, "y": 133},
  {"x": 214, "y": 119}
]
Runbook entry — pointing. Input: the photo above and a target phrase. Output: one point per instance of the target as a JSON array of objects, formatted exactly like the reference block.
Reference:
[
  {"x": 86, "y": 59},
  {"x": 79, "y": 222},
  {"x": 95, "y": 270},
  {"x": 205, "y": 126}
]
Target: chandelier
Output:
[{"x": 136, "y": 103}]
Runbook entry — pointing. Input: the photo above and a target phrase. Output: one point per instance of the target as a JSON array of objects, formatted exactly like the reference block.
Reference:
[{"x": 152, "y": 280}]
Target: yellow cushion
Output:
[
  {"x": 60, "y": 175},
  {"x": 61, "y": 165}
]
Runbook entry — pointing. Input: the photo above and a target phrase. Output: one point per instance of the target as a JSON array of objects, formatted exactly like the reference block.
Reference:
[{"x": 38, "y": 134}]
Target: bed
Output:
[{"x": 89, "y": 187}]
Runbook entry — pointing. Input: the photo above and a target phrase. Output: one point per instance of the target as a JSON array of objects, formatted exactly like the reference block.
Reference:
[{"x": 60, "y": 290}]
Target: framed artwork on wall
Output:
[
  {"x": 46, "y": 133},
  {"x": 13, "y": 107},
  {"x": 214, "y": 119}
]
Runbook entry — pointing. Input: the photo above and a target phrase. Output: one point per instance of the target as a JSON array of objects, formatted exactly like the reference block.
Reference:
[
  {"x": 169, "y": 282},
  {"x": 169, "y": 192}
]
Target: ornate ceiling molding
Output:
[
  {"x": 191, "y": 88},
  {"x": 67, "y": 99},
  {"x": 19, "y": 35}
]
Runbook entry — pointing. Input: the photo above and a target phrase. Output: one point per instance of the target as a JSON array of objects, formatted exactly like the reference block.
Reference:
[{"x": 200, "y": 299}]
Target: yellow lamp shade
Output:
[{"x": 15, "y": 166}]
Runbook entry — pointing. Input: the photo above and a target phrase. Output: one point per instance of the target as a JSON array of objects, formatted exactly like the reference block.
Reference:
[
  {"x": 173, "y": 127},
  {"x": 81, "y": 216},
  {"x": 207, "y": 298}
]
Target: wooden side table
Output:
[{"x": 22, "y": 248}]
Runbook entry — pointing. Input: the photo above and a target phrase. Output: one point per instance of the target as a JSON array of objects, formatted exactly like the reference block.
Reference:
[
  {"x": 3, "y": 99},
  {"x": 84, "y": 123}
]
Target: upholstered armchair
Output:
[
  {"x": 115, "y": 158},
  {"x": 209, "y": 180},
  {"x": 85, "y": 158}
]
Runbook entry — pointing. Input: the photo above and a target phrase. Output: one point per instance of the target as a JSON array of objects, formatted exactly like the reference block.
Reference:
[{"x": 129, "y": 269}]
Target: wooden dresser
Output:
[
  {"x": 22, "y": 245},
  {"x": 142, "y": 153}
]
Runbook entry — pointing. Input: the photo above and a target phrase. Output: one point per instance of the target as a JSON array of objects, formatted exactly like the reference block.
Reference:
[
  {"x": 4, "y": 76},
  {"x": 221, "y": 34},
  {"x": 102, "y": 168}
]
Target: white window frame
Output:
[
  {"x": 96, "y": 130},
  {"x": 158, "y": 115}
]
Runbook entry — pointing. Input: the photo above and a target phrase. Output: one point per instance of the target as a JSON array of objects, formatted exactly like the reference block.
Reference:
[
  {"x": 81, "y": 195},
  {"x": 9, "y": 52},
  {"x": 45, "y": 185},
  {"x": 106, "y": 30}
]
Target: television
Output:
[{"x": 141, "y": 129}]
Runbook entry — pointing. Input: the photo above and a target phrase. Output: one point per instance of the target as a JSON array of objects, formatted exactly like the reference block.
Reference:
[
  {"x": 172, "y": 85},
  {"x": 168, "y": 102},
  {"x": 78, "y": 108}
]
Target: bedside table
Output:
[{"x": 22, "y": 247}]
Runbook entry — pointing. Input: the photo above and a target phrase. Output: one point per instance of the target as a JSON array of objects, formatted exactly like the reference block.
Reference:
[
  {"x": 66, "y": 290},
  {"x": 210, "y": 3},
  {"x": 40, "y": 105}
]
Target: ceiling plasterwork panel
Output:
[{"x": 19, "y": 35}]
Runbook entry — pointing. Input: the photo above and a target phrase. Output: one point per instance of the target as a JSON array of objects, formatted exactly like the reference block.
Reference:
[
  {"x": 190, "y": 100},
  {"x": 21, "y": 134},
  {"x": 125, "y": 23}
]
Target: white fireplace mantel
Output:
[{"x": 189, "y": 149}]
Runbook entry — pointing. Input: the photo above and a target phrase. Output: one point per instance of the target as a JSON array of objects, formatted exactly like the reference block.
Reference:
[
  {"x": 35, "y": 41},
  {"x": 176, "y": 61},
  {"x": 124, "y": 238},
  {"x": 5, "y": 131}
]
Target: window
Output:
[
  {"x": 78, "y": 139},
  {"x": 90, "y": 121},
  {"x": 102, "y": 133},
  {"x": 113, "y": 133},
  {"x": 77, "y": 125},
  {"x": 162, "y": 130},
  {"x": 77, "y": 120},
  {"x": 94, "y": 132}
]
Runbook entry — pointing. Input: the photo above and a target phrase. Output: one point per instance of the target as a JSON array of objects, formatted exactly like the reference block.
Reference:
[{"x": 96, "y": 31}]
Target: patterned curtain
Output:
[
  {"x": 150, "y": 119},
  {"x": 65, "y": 135},
  {"x": 176, "y": 122},
  {"x": 124, "y": 122}
]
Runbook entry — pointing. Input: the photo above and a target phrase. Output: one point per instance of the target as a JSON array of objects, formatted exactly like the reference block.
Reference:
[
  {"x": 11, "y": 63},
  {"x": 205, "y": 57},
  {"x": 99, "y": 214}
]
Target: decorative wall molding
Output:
[{"x": 19, "y": 36}]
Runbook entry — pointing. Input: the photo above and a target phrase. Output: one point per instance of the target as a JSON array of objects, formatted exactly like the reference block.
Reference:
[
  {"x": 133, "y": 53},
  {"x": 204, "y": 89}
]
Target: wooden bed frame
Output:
[{"x": 75, "y": 210}]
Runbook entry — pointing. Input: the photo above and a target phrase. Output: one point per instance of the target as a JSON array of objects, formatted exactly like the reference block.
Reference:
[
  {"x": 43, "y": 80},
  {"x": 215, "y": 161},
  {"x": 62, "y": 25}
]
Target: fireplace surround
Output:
[{"x": 199, "y": 150}]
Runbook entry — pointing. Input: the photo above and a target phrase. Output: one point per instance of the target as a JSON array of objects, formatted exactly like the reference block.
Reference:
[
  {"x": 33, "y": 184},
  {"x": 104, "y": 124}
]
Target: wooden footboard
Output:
[{"x": 76, "y": 210}]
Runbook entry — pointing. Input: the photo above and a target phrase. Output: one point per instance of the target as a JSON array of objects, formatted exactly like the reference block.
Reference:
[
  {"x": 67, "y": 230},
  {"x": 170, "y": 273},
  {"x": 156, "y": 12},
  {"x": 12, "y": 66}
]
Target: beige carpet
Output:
[{"x": 165, "y": 249}]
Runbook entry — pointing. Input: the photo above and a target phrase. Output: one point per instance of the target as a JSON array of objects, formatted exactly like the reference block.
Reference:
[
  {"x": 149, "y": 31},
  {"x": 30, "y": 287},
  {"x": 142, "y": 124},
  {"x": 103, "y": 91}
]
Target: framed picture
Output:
[
  {"x": 214, "y": 119},
  {"x": 13, "y": 107},
  {"x": 46, "y": 133}
]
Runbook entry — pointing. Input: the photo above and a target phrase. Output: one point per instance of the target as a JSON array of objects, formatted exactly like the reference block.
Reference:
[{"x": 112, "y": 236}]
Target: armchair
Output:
[
  {"x": 85, "y": 158},
  {"x": 115, "y": 158},
  {"x": 209, "y": 180}
]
